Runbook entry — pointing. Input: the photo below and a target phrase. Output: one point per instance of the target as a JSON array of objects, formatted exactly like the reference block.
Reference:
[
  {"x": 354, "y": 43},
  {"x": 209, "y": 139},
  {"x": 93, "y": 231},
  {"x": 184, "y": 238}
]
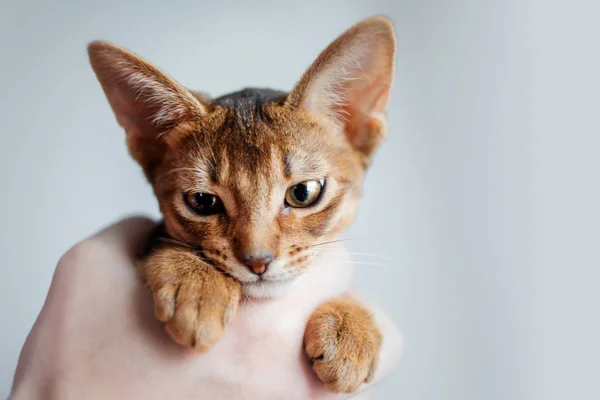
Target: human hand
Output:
[{"x": 97, "y": 338}]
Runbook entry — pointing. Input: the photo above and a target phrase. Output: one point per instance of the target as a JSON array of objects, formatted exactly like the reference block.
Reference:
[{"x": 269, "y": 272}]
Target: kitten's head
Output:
[{"x": 257, "y": 179}]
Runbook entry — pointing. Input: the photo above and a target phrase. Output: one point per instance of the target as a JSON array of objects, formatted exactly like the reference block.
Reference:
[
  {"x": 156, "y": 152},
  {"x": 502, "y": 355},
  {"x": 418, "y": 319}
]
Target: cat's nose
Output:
[{"x": 258, "y": 264}]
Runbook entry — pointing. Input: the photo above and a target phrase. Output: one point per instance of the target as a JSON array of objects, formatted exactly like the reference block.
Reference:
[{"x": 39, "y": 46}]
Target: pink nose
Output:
[{"x": 258, "y": 265}]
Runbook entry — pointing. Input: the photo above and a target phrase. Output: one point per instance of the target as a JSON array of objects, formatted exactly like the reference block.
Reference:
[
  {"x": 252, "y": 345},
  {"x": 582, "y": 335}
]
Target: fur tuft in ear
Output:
[
  {"x": 146, "y": 102},
  {"x": 349, "y": 84}
]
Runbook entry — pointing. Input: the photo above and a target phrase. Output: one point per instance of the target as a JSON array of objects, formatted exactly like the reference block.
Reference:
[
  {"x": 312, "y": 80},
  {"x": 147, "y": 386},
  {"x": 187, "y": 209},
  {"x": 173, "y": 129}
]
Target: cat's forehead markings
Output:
[
  {"x": 287, "y": 166},
  {"x": 253, "y": 193},
  {"x": 204, "y": 169},
  {"x": 212, "y": 171},
  {"x": 301, "y": 162}
]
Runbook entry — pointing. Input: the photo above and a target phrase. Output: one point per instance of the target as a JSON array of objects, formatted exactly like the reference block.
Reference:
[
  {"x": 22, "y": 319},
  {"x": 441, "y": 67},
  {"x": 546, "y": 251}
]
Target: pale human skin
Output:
[{"x": 97, "y": 338}]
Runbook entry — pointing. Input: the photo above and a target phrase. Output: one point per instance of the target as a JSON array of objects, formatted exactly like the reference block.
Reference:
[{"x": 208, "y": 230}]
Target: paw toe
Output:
[
  {"x": 164, "y": 303},
  {"x": 342, "y": 376},
  {"x": 208, "y": 332}
]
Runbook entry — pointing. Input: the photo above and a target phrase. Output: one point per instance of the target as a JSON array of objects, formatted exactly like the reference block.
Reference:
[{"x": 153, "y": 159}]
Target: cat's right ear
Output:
[{"x": 147, "y": 102}]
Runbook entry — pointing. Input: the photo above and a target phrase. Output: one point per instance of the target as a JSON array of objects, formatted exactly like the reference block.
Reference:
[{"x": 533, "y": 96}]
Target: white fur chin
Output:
[{"x": 265, "y": 290}]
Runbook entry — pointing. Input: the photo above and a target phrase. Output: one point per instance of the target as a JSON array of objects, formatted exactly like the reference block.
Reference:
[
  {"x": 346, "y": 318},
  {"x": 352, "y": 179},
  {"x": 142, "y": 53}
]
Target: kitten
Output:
[{"x": 249, "y": 183}]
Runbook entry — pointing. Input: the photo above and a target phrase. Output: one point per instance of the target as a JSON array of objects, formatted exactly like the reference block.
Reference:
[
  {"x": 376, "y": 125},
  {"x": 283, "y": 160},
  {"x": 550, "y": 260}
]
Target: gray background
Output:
[{"x": 485, "y": 195}]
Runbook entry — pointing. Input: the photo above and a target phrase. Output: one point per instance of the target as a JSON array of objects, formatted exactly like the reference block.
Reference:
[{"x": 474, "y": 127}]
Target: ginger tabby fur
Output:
[{"x": 232, "y": 176}]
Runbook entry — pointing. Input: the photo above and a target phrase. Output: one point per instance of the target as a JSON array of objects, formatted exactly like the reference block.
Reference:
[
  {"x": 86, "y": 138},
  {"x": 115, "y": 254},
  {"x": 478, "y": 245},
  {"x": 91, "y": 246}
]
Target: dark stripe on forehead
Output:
[
  {"x": 247, "y": 107},
  {"x": 305, "y": 161},
  {"x": 287, "y": 166},
  {"x": 257, "y": 95},
  {"x": 212, "y": 171},
  {"x": 317, "y": 224}
]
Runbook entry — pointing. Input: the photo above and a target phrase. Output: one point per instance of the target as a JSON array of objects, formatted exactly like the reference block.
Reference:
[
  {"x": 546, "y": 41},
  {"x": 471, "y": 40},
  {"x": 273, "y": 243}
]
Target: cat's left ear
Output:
[{"x": 349, "y": 84}]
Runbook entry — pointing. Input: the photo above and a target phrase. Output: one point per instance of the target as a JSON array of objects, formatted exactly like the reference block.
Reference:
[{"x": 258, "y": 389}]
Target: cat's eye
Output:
[
  {"x": 203, "y": 203},
  {"x": 304, "y": 194}
]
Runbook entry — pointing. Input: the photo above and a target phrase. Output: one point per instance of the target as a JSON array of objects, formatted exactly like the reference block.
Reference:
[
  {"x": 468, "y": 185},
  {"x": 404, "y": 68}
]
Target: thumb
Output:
[{"x": 129, "y": 235}]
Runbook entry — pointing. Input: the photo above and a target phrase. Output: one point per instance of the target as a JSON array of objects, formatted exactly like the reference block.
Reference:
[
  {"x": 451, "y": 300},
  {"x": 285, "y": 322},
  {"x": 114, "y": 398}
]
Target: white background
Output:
[{"x": 485, "y": 195}]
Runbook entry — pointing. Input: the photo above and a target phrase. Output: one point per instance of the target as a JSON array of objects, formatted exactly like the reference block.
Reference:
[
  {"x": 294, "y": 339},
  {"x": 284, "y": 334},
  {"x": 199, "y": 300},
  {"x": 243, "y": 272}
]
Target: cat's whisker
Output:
[
  {"x": 334, "y": 241},
  {"x": 176, "y": 242},
  {"x": 188, "y": 246},
  {"x": 387, "y": 266},
  {"x": 248, "y": 300},
  {"x": 176, "y": 170}
]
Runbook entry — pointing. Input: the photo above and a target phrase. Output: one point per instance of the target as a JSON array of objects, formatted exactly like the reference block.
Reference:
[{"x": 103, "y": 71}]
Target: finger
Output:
[{"x": 128, "y": 235}]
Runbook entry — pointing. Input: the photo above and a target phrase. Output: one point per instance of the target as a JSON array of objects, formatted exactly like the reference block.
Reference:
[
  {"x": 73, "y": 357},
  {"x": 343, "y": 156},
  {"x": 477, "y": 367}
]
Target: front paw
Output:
[
  {"x": 343, "y": 343},
  {"x": 195, "y": 300}
]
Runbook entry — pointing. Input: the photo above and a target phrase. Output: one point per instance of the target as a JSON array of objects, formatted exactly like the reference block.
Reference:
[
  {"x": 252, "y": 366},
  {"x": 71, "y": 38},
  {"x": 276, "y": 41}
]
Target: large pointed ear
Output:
[
  {"x": 146, "y": 102},
  {"x": 349, "y": 83}
]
